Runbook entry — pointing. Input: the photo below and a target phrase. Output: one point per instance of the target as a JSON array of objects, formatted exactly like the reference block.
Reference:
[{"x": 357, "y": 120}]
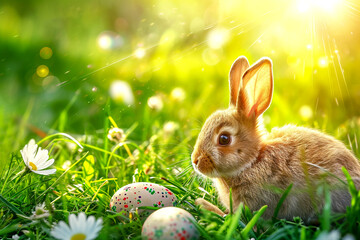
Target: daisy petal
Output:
[
  {"x": 73, "y": 222},
  {"x": 46, "y": 172},
  {"x": 90, "y": 224},
  {"x": 82, "y": 222},
  {"x": 41, "y": 156},
  {"x": 24, "y": 157},
  {"x": 61, "y": 230},
  {"x": 98, "y": 226},
  {"x": 45, "y": 164}
]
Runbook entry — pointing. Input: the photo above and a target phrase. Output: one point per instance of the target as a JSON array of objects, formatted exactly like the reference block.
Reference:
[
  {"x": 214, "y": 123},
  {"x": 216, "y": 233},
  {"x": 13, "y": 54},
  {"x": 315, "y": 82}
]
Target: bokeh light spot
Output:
[
  {"x": 217, "y": 38},
  {"x": 306, "y": 112},
  {"x": 42, "y": 71},
  {"x": 50, "y": 82},
  {"x": 46, "y": 53},
  {"x": 139, "y": 53},
  {"x": 109, "y": 40}
]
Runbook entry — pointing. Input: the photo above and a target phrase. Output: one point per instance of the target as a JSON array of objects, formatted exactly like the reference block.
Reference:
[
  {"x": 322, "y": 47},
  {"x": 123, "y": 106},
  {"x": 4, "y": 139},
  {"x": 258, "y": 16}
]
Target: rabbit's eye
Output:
[{"x": 224, "y": 139}]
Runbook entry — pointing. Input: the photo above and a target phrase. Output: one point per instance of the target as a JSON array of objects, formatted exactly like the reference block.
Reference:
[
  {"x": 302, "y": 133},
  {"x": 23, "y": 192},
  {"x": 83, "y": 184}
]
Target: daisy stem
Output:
[
  {"x": 21, "y": 174},
  {"x": 29, "y": 189}
]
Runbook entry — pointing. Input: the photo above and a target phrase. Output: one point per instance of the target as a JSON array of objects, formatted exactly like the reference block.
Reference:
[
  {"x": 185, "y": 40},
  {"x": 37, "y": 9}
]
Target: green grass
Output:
[{"x": 98, "y": 168}]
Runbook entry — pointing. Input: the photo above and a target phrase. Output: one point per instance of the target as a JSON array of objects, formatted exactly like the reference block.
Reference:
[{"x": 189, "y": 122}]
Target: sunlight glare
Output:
[{"x": 328, "y": 6}]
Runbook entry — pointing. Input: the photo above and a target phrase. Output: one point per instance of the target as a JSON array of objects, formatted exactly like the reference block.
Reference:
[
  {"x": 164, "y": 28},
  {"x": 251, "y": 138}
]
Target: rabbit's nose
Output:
[{"x": 195, "y": 158}]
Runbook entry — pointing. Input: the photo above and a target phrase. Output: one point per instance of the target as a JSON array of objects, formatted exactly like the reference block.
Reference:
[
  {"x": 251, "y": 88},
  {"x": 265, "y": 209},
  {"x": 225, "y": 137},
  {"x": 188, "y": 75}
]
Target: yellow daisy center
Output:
[
  {"x": 78, "y": 236},
  {"x": 33, "y": 166}
]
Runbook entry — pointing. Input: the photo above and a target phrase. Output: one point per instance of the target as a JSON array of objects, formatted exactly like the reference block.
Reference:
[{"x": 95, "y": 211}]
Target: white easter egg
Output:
[
  {"x": 132, "y": 196},
  {"x": 170, "y": 223}
]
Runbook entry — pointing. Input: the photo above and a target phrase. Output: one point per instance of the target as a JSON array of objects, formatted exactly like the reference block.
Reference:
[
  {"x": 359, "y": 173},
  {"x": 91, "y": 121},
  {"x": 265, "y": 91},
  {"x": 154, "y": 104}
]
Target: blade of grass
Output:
[
  {"x": 281, "y": 201},
  {"x": 253, "y": 221},
  {"x": 326, "y": 214},
  {"x": 234, "y": 221},
  {"x": 231, "y": 202},
  {"x": 201, "y": 229},
  {"x": 61, "y": 134},
  {"x": 11, "y": 206},
  {"x": 303, "y": 233},
  {"x": 351, "y": 184},
  {"x": 7, "y": 175}
]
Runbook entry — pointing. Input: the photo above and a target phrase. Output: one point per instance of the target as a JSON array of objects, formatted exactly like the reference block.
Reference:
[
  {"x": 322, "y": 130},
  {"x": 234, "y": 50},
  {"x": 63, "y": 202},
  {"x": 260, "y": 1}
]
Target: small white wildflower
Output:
[
  {"x": 155, "y": 103},
  {"x": 71, "y": 146},
  {"x": 333, "y": 235},
  {"x": 120, "y": 92},
  {"x": 348, "y": 237},
  {"x": 79, "y": 228},
  {"x": 178, "y": 94},
  {"x": 170, "y": 127},
  {"x": 116, "y": 135},
  {"x": 15, "y": 237},
  {"x": 37, "y": 159},
  {"x": 40, "y": 212},
  {"x": 66, "y": 165}
]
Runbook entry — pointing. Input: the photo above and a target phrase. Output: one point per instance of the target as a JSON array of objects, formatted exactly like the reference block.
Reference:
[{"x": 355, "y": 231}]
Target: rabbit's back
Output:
[{"x": 311, "y": 150}]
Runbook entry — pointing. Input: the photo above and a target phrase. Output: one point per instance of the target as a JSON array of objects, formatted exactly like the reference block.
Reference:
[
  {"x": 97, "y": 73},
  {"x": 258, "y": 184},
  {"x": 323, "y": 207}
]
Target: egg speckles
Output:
[
  {"x": 170, "y": 223},
  {"x": 141, "y": 194}
]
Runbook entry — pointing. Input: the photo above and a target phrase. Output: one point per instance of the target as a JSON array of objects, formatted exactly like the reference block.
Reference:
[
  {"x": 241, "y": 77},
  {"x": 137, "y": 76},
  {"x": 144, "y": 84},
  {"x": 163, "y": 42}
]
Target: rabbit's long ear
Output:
[
  {"x": 236, "y": 72},
  {"x": 256, "y": 88}
]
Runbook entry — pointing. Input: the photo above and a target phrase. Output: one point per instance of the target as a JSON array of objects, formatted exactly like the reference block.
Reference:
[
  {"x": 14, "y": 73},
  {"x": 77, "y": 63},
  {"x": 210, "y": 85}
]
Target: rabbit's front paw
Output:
[{"x": 208, "y": 206}]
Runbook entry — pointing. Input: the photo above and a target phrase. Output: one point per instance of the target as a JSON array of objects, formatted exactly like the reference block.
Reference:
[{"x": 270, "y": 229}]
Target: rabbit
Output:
[{"x": 235, "y": 151}]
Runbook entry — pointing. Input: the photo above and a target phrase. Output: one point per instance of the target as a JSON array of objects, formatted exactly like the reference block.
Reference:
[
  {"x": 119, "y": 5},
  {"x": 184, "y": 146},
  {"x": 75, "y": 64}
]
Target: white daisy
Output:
[
  {"x": 40, "y": 212},
  {"x": 121, "y": 92},
  {"x": 155, "y": 103},
  {"x": 79, "y": 228},
  {"x": 37, "y": 159}
]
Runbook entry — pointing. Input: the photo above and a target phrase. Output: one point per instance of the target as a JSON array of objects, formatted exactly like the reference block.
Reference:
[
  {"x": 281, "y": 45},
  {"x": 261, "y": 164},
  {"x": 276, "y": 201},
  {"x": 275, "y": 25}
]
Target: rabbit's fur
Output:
[{"x": 258, "y": 165}]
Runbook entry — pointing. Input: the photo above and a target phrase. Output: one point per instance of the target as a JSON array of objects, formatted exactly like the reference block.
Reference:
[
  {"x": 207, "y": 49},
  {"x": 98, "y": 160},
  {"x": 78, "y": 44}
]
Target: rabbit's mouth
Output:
[{"x": 204, "y": 164}]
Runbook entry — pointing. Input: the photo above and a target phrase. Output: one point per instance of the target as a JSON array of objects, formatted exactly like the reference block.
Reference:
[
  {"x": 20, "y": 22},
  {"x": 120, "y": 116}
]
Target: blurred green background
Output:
[{"x": 60, "y": 60}]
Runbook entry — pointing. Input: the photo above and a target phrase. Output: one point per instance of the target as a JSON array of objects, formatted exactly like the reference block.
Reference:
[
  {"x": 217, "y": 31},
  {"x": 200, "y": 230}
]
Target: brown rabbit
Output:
[{"x": 234, "y": 149}]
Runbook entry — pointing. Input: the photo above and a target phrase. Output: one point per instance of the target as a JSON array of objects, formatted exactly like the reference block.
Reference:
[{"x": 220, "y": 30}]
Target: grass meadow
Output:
[{"x": 70, "y": 71}]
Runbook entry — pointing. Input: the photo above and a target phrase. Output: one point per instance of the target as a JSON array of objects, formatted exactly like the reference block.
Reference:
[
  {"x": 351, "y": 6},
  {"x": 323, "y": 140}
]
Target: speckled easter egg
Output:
[
  {"x": 135, "y": 195},
  {"x": 170, "y": 223}
]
